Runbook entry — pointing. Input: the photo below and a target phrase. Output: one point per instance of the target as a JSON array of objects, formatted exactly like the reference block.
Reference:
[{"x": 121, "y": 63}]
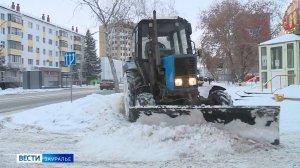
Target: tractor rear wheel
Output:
[{"x": 132, "y": 82}]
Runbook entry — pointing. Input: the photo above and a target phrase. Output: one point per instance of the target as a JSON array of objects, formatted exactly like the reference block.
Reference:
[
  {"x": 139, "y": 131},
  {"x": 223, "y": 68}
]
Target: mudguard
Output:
[{"x": 259, "y": 123}]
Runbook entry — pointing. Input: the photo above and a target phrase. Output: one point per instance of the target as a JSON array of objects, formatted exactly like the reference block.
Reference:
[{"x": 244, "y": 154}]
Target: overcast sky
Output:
[{"x": 65, "y": 13}]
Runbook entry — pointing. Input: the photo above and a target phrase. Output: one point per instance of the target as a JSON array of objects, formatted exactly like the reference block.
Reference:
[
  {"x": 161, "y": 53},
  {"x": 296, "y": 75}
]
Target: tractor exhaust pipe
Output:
[{"x": 155, "y": 40}]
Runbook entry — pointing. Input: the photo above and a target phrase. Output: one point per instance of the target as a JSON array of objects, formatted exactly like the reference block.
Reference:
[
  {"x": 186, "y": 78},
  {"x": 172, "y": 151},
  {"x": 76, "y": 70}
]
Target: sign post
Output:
[{"x": 70, "y": 59}]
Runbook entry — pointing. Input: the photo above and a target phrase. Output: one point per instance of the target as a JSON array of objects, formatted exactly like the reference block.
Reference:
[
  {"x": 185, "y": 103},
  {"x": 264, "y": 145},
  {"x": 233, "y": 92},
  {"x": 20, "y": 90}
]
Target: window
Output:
[
  {"x": 2, "y": 30},
  {"x": 37, "y": 27},
  {"x": 56, "y": 64},
  {"x": 263, "y": 51},
  {"x": 2, "y": 16},
  {"x": 56, "y": 43},
  {"x": 50, "y": 63},
  {"x": 2, "y": 44},
  {"x": 44, "y": 29},
  {"x": 30, "y": 25},
  {"x": 14, "y": 45},
  {"x": 29, "y": 37},
  {"x": 30, "y": 61},
  {"x": 44, "y": 62},
  {"x": 276, "y": 58},
  {"x": 15, "y": 31},
  {"x": 37, "y": 50},
  {"x": 63, "y": 33},
  {"x": 44, "y": 51},
  {"x": 290, "y": 55},
  {"x": 15, "y": 18},
  {"x": 14, "y": 58},
  {"x": 63, "y": 43},
  {"x": 50, "y": 52},
  {"x": 77, "y": 38},
  {"x": 50, "y": 31},
  {"x": 37, "y": 38},
  {"x": 30, "y": 49},
  {"x": 56, "y": 53},
  {"x": 50, "y": 41},
  {"x": 44, "y": 40},
  {"x": 37, "y": 62},
  {"x": 77, "y": 47},
  {"x": 61, "y": 53}
]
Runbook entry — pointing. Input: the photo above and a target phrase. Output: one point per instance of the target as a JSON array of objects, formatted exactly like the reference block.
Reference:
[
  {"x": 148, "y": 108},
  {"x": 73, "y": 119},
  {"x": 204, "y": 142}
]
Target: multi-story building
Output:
[
  {"x": 35, "y": 44},
  {"x": 119, "y": 39}
]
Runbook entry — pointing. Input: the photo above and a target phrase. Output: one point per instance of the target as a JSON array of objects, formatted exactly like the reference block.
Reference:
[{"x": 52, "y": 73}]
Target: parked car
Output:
[{"x": 107, "y": 84}]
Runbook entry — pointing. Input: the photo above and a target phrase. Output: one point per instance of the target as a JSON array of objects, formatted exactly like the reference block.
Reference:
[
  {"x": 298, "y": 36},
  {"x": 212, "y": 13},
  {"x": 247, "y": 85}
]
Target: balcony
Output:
[
  {"x": 14, "y": 51},
  {"x": 15, "y": 24},
  {"x": 50, "y": 58},
  {"x": 61, "y": 58},
  {"x": 63, "y": 38},
  {"x": 65, "y": 69},
  {"x": 14, "y": 65},
  {"x": 37, "y": 56},
  {"x": 78, "y": 43},
  {"x": 65, "y": 49},
  {"x": 14, "y": 37},
  {"x": 30, "y": 43},
  {"x": 77, "y": 51}
]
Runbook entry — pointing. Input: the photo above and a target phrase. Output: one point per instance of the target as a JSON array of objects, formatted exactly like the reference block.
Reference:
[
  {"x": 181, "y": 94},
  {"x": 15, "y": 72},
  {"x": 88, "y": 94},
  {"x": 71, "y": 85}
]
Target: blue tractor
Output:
[{"x": 161, "y": 81}]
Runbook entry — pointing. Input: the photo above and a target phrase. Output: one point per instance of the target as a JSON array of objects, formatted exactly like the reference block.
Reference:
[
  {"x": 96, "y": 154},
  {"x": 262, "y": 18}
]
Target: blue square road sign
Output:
[{"x": 70, "y": 58}]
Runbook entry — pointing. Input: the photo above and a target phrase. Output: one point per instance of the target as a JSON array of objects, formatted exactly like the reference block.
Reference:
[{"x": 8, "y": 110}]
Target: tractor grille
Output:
[{"x": 185, "y": 66}]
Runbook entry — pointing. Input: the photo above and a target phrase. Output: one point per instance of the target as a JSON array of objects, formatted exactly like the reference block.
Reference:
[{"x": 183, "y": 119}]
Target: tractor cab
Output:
[
  {"x": 173, "y": 35},
  {"x": 172, "y": 65}
]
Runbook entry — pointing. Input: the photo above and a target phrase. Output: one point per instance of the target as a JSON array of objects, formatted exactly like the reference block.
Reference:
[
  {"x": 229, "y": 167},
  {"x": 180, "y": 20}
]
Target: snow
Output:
[
  {"x": 94, "y": 128},
  {"x": 282, "y": 39},
  {"x": 20, "y": 90},
  {"x": 290, "y": 92}
]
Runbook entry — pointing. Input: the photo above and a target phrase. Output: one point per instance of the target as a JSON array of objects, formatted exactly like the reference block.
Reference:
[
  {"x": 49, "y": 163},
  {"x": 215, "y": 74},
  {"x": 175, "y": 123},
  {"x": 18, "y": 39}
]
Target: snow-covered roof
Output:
[{"x": 282, "y": 39}]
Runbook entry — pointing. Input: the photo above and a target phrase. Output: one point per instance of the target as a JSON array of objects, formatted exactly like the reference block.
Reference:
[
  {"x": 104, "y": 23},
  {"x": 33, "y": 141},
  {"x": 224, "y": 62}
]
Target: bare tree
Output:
[
  {"x": 144, "y": 8},
  {"x": 110, "y": 13},
  {"x": 232, "y": 30},
  {"x": 114, "y": 14}
]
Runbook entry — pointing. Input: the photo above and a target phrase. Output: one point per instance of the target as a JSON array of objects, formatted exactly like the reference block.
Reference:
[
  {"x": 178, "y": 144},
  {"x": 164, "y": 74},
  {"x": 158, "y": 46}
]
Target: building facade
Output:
[
  {"x": 36, "y": 44},
  {"x": 119, "y": 41}
]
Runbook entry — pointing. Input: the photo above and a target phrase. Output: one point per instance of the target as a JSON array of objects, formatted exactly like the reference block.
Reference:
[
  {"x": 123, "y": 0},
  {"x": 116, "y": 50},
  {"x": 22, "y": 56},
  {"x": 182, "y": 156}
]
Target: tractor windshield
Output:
[{"x": 173, "y": 36}]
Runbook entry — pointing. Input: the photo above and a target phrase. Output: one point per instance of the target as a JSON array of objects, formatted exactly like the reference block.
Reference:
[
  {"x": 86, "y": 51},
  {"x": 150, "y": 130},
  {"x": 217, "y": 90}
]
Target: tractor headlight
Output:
[
  {"x": 192, "y": 81},
  {"x": 178, "y": 82}
]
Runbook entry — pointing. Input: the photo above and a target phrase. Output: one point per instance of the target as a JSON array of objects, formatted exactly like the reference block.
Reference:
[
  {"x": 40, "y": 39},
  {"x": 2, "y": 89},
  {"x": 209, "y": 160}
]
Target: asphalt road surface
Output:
[{"x": 21, "y": 102}]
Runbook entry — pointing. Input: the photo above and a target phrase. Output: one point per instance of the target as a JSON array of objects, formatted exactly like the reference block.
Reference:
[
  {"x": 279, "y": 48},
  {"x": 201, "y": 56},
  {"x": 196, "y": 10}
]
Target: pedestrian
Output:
[{"x": 209, "y": 80}]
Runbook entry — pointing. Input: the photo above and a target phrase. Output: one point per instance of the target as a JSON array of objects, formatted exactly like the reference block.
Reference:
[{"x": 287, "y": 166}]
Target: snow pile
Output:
[
  {"x": 81, "y": 114},
  {"x": 291, "y": 91},
  {"x": 24, "y": 91},
  {"x": 106, "y": 135},
  {"x": 136, "y": 142}
]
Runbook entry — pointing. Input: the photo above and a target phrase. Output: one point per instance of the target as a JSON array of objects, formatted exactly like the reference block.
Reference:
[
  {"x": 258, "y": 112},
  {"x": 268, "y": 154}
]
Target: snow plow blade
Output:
[{"x": 259, "y": 123}]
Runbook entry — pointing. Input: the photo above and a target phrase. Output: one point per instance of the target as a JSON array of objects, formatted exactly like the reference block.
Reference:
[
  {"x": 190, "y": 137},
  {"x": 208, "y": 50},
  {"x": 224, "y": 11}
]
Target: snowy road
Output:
[
  {"x": 21, "y": 102},
  {"x": 94, "y": 129}
]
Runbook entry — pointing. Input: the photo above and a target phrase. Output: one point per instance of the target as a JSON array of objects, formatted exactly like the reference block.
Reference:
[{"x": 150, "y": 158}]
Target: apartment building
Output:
[
  {"x": 35, "y": 44},
  {"x": 119, "y": 41}
]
